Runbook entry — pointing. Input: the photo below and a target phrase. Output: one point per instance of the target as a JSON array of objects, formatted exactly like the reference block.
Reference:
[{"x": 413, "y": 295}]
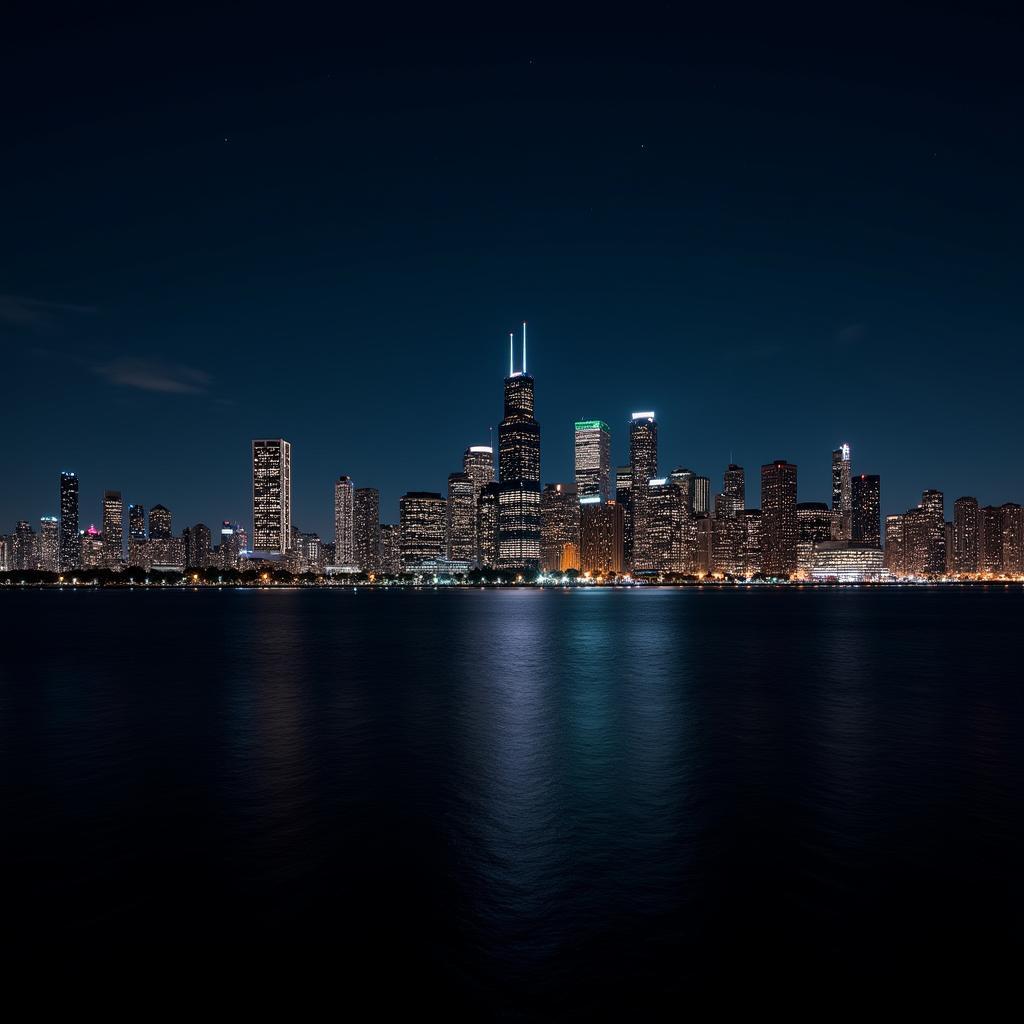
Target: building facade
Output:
[
  {"x": 422, "y": 521},
  {"x": 344, "y": 521},
  {"x": 559, "y": 524},
  {"x": 460, "y": 525},
  {"x": 70, "y": 545},
  {"x": 366, "y": 529},
  {"x": 271, "y": 495},
  {"x": 643, "y": 462},
  {"x": 842, "y": 490},
  {"x": 866, "y": 512},
  {"x": 779, "y": 524},
  {"x": 593, "y": 451}
]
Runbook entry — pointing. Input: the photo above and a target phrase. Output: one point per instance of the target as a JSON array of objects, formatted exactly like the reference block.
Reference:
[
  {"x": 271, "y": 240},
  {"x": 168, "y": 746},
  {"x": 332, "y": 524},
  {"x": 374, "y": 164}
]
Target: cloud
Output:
[
  {"x": 19, "y": 311},
  {"x": 155, "y": 375}
]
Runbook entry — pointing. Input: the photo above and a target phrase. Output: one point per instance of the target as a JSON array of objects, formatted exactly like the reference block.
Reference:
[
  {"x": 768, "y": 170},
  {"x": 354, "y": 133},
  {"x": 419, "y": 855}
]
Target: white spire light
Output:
[{"x": 524, "y": 346}]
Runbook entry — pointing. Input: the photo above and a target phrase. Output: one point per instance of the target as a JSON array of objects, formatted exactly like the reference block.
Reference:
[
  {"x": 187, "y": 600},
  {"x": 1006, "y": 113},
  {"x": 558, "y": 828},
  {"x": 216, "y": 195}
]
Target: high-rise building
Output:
[
  {"x": 136, "y": 523},
  {"x": 198, "y": 546},
  {"x": 842, "y": 490},
  {"x": 23, "y": 547},
  {"x": 643, "y": 461},
  {"x": 70, "y": 546},
  {"x": 271, "y": 495},
  {"x": 113, "y": 530},
  {"x": 866, "y": 510},
  {"x": 478, "y": 465},
  {"x": 779, "y": 525},
  {"x": 701, "y": 495},
  {"x": 965, "y": 536},
  {"x": 728, "y": 534},
  {"x": 1011, "y": 517},
  {"x": 734, "y": 489},
  {"x": 48, "y": 544},
  {"x": 422, "y": 517},
  {"x": 519, "y": 472},
  {"x": 390, "y": 557},
  {"x": 344, "y": 521},
  {"x": 666, "y": 534},
  {"x": 602, "y": 533},
  {"x": 751, "y": 549},
  {"x": 896, "y": 546},
  {"x": 624, "y": 497},
  {"x": 593, "y": 458},
  {"x": 160, "y": 523},
  {"x": 935, "y": 552},
  {"x": 92, "y": 548},
  {"x": 460, "y": 525},
  {"x": 487, "y": 524},
  {"x": 990, "y": 540},
  {"x": 814, "y": 522},
  {"x": 366, "y": 528},
  {"x": 232, "y": 544},
  {"x": 559, "y": 524}
]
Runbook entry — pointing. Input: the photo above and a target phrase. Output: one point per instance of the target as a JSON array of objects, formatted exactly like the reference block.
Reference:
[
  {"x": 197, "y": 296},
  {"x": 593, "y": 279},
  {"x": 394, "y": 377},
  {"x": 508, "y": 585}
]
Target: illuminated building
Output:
[
  {"x": 344, "y": 522},
  {"x": 990, "y": 541},
  {"x": 478, "y": 465},
  {"x": 624, "y": 497},
  {"x": 519, "y": 472},
  {"x": 198, "y": 546},
  {"x": 91, "y": 548},
  {"x": 160, "y": 523},
  {"x": 487, "y": 524},
  {"x": 842, "y": 490},
  {"x": 460, "y": 525},
  {"x": 48, "y": 544},
  {"x": 310, "y": 551},
  {"x": 848, "y": 562},
  {"x": 602, "y": 534},
  {"x": 965, "y": 535},
  {"x": 570, "y": 558},
  {"x": 734, "y": 489},
  {"x": 666, "y": 519},
  {"x": 232, "y": 545},
  {"x": 779, "y": 525},
  {"x": 271, "y": 495},
  {"x": 390, "y": 549},
  {"x": 815, "y": 522},
  {"x": 136, "y": 522},
  {"x": 113, "y": 530},
  {"x": 559, "y": 524},
  {"x": 643, "y": 460},
  {"x": 935, "y": 543},
  {"x": 421, "y": 517},
  {"x": 895, "y": 546},
  {"x": 683, "y": 479},
  {"x": 866, "y": 510},
  {"x": 5, "y": 553},
  {"x": 727, "y": 536},
  {"x": 23, "y": 547},
  {"x": 950, "y": 568},
  {"x": 701, "y": 495},
  {"x": 703, "y": 557},
  {"x": 1011, "y": 517},
  {"x": 70, "y": 546},
  {"x": 366, "y": 529},
  {"x": 750, "y": 559},
  {"x": 166, "y": 553},
  {"x": 593, "y": 446}
]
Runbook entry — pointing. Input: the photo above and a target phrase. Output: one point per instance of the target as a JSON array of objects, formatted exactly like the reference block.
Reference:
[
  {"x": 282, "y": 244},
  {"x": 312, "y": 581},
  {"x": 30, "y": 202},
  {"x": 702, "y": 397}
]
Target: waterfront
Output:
[{"x": 543, "y": 798}]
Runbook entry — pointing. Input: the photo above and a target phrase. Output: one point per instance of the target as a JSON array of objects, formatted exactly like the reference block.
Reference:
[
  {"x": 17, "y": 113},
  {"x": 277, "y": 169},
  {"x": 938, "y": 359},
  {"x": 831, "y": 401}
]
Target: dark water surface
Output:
[{"x": 538, "y": 803}]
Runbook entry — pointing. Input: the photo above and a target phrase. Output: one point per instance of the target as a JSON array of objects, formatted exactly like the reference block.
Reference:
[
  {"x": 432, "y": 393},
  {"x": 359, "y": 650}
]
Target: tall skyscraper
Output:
[
  {"x": 842, "y": 490},
  {"x": 160, "y": 523},
  {"x": 48, "y": 544},
  {"x": 23, "y": 547},
  {"x": 933, "y": 507},
  {"x": 136, "y": 523},
  {"x": 701, "y": 498},
  {"x": 734, "y": 489},
  {"x": 487, "y": 525},
  {"x": 602, "y": 533},
  {"x": 70, "y": 546},
  {"x": 113, "y": 530},
  {"x": 814, "y": 522},
  {"x": 390, "y": 549},
  {"x": 478, "y": 465},
  {"x": 666, "y": 517},
  {"x": 366, "y": 528},
  {"x": 519, "y": 472},
  {"x": 990, "y": 540},
  {"x": 422, "y": 517},
  {"x": 559, "y": 524},
  {"x": 198, "y": 546},
  {"x": 866, "y": 510},
  {"x": 344, "y": 521},
  {"x": 593, "y": 458},
  {"x": 271, "y": 495},
  {"x": 232, "y": 544},
  {"x": 460, "y": 525},
  {"x": 643, "y": 461},
  {"x": 624, "y": 497},
  {"x": 779, "y": 527},
  {"x": 965, "y": 535},
  {"x": 1011, "y": 517}
]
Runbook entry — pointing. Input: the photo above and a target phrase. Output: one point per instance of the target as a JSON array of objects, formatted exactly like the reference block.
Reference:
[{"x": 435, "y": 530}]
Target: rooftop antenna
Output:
[
  {"x": 510, "y": 345},
  {"x": 524, "y": 346}
]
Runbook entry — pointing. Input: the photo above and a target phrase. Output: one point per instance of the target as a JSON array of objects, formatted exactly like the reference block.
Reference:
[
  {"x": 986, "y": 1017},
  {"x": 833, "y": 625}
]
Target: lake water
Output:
[{"x": 538, "y": 803}]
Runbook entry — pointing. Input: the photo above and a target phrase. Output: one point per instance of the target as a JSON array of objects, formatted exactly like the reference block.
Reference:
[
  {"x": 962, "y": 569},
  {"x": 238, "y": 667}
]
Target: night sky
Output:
[{"x": 779, "y": 232}]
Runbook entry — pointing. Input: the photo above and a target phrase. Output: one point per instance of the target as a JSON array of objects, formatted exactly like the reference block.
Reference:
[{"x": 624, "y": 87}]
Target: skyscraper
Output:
[
  {"x": 842, "y": 490},
  {"x": 198, "y": 546},
  {"x": 965, "y": 535},
  {"x": 422, "y": 524},
  {"x": 779, "y": 529},
  {"x": 366, "y": 528},
  {"x": 935, "y": 553},
  {"x": 866, "y": 510},
  {"x": 344, "y": 521},
  {"x": 23, "y": 547},
  {"x": 1011, "y": 517},
  {"x": 666, "y": 517},
  {"x": 48, "y": 544},
  {"x": 519, "y": 472},
  {"x": 478, "y": 465},
  {"x": 460, "y": 526},
  {"x": 593, "y": 458},
  {"x": 990, "y": 540},
  {"x": 113, "y": 530},
  {"x": 734, "y": 489},
  {"x": 701, "y": 497},
  {"x": 232, "y": 545},
  {"x": 487, "y": 524},
  {"x": 602, "y": 532},
  {"x": 643, "y": 461},
  {"x": 70, "y": 546},
  {"x": 136, "y": 523},
  {"x": 160, "y": 523},
  {"x": 390, "y": 556},
  {"x": 624, "y": 497},
  {"x": 559, "y": 524},
  {"x": 271, "y": 495}
]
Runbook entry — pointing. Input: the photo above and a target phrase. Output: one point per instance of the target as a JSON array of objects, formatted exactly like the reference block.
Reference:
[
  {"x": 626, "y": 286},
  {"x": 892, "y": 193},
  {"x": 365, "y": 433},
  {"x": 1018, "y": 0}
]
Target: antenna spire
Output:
[
  {"x": 524, "y": 346},
  {"x": 511, "y": 343}
]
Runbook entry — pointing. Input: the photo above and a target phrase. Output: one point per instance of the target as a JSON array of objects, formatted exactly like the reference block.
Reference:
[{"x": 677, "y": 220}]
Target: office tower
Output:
[
  {"x": 593, "y": 459},
  {"x": 47, "y": 554},
  {"x": 895, "y": 546},
  {"x": 918, "y": 529},
  {"x": 487, "y": 524},
  {"x": 779, "y": 525},
  {"x": 344, "y": 521},
  {"x": 935, "y": 554},
  {"x": 232, "y": 544},
  {"x": 478, "y": 465},
  {"x": 814, "y": 522},
  {"x": 310, "y": 552},
  {"x": 624, "y": 497},
  {"x": 70, "y": 546},
  {"x": 519, "y": 472},
  {"x": 990, "y": 540},
  {"x": 5, "y": 553},
  {"x": 198, "y": 546},
  {"x": 965, "y": 535},
  {"x": 160, "y": 523},
  {"x": 842, "y": 490},
  {"x": 866, "y": 510},
  {"x": 666, "y": 517},
  {"x": 735, "y": 489},
  {"x": 460, "y": 525},
  {"x": 559, "y": 525},
  {"x": 949, "y": 568},
  {"x": 1011, "y": 517},
  {"x": 602, "y": 536},
  {"x": 643, "y": 461},
  {"x": 727, "y": 536},
  {"x": 750, "y": 557},
  {"x": 91, "y": 548},
  {"x": 23, "y": 548},
  {"x": 421, "y": 519},
  {"x": 683, "y": 479},
  {"x": 390, "y": 556},
  {"x": 271, "y": 495},
  {"x": 701, "y": 495},
  {"x": 113, "y": 530},
  {"x": 136, "y": 523},
  {"x": 366, "y": 528}
]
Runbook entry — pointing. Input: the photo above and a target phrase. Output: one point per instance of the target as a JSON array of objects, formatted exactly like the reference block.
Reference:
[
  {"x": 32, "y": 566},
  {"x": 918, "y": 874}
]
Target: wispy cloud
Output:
[
  {"x": 155, "y": 375},
  {"x": 29, "y": 314}
]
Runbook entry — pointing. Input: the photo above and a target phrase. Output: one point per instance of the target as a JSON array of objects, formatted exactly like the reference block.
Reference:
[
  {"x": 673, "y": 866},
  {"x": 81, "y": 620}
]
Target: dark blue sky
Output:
[{"x": 778, "y": 234}]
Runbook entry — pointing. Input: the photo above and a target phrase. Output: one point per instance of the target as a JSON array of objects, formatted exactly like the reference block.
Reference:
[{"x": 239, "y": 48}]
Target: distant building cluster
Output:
[{"x": 608, "y": 523}]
